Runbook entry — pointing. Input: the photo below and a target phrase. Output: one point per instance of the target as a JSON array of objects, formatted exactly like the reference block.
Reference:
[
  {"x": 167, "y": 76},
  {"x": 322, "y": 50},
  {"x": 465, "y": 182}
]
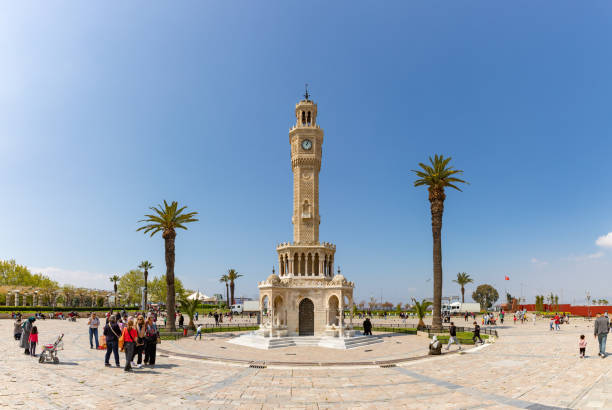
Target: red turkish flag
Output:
[{"x": 507, "y": 278}]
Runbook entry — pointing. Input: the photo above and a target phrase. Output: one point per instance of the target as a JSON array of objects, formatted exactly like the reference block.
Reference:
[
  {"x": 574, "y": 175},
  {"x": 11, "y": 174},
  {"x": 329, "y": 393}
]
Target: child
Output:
[
  {"x": 582, "y": 345},
  {"x": 198, "y": 332},
  {"x": 33, "y": 339}
]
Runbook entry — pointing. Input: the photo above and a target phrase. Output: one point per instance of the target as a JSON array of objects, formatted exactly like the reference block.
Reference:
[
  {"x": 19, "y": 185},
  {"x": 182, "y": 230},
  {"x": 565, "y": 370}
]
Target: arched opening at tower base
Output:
[{"x": 306, "y": 318}]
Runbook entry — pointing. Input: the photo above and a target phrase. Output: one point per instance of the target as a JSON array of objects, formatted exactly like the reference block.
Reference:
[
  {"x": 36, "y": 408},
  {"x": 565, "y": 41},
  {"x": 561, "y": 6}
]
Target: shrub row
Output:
[{"x": 59, "y": 309}]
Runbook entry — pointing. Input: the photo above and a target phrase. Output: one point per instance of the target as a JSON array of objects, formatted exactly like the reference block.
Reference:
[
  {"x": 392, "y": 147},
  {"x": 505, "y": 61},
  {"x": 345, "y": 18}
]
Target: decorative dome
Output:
[
  {"x": 273, "y": 279},
  {"x": 339, "y": 279}
]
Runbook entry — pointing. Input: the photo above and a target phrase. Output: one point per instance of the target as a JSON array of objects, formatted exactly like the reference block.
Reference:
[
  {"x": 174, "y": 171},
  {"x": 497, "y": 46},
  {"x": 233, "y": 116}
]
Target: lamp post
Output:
[{"x": 588, "y": 298}]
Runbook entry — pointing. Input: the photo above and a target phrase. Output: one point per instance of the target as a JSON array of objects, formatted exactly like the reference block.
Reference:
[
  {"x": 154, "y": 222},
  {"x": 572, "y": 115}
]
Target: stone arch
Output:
[
  {"x": 302, "y": 265},
  {"x": 333, "y": 309},
  {"x": 265, "y": 304},
  {"x": 279, "y": 311},
  {"x": 306, "y": 317}
]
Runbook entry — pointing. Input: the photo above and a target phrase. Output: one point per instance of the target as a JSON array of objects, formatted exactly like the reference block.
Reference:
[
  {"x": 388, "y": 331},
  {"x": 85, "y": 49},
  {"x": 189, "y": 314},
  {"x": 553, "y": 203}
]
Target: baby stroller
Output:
[{"x": 49, "y": 352}]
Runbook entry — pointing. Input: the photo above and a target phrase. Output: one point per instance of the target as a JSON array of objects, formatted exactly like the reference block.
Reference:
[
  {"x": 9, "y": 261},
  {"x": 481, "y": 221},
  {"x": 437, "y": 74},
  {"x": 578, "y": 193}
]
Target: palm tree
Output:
[
  {"x": 421, "y": 310},
  {"x": 225, "y": 279},
  {"x": 167, "y": 219},
  {"x": 463, "y": 279},
  {"x": 436, "y": 177},
  {"x": 189, "y": 307},
  {"x": 115, "y": 279},
  {"x": 145, "y": 265},
  {"x": 232, "y": 275}
]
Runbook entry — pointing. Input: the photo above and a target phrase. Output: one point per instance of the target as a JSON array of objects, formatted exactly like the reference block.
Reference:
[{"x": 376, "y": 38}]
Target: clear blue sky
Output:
[{"x": 107, "y": 110}]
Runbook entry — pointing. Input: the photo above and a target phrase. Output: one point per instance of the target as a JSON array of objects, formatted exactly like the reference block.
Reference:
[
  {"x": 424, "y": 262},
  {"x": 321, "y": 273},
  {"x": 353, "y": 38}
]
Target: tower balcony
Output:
[{"x": 306, "y": 260}]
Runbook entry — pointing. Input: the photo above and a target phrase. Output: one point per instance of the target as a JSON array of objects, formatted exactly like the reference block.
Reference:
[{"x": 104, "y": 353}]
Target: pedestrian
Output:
[
  {"x": 196, "y": 316},
  {"x": 476, "y": 333},
  {"x": 151, "y": 340},
  {"x": 112, "y": 332},
  {"x": 33, "y": 339},
  {"x": 26, "y": 328},
  {"x": 582, "y": 344},
  {"x": 533, "y": 318},
  {"x": 93, "y": 323},
  {"x": 452, "y": 338},
  {"x": 601, "y": 329},
  {"x": 17, "y": 328},
  {"x": 367, "y": 327},
  {"x": 552, "y": 323},
  {"x": 216, "y": 318},
  {"x": 181, "y": 320},
  {"x": 557, "y": 321},
  {"x": 129, "y": 341},
  {"x": 501, "y": 317},
  {"x": 140, "y": 341},
  {"x": 198, "y": 332}
]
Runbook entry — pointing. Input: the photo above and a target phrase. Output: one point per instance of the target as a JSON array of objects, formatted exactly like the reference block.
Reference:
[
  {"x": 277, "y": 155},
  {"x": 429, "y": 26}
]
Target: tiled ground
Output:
[{"x": 529, "y": 367}]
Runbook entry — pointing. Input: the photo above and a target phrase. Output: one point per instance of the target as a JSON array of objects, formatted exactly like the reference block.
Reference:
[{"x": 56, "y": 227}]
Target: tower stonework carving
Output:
[{"x": 305, "y": 297}]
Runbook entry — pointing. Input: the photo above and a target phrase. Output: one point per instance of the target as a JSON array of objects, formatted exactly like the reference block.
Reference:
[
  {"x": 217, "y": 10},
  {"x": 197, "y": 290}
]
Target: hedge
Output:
[{"x": 60, "y": 309}]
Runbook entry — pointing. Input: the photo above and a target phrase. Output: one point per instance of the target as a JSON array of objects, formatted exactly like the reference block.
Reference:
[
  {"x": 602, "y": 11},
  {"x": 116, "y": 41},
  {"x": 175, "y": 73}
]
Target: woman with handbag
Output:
[
  {"x": 151, "y": 341},
  {"x": 140, "y": 340},
  {"x": 112, "y": 333},
  {"x": 129, "y": 335}
]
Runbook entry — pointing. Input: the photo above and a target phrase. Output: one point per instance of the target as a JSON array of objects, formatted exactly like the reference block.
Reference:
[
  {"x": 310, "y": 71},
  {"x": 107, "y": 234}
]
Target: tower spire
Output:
[{"x": 306, "y": 95}]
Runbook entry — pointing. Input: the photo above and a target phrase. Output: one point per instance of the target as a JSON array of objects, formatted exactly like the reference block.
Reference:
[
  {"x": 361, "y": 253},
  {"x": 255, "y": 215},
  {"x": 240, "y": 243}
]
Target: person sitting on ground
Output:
[{"x": 435, "y": 347}]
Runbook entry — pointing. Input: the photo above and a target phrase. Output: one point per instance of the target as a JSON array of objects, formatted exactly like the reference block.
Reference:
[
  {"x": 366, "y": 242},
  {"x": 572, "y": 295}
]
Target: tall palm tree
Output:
[
  {"x": 145, "y": 265},
  {"x": 420, "y": 308},
  {"x": 232, "y": 275},
  {"x": 436, "y": 177},
  {"x": 463, "y": 279},
  {"x": 115, "y": 279},
  {"x": 167, "y": 219},
  {"x": 225, "y": 279}
]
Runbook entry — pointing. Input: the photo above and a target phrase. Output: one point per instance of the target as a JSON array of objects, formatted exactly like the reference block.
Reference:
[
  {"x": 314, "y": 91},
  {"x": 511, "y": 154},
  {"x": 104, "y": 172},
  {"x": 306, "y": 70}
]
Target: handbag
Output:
[
  {"x": 121, "y": 343},
  {"x": 158, "y": 340}
]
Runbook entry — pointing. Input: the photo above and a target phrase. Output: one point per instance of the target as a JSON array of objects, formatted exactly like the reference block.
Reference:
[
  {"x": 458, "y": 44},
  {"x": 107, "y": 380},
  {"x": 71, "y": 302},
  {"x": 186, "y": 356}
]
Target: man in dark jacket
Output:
[
  {"x": 367, "y": 327},
  {"x": 601, "y": 330},
  {"x": 452, "y": 336},
  {"x": 112, "y": 333},
  {"x": 476, "y": 333}
]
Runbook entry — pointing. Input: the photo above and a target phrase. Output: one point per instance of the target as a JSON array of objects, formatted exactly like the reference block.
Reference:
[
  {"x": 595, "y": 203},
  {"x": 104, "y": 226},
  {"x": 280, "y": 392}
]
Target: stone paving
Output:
[{"x": 529, "y": 367}]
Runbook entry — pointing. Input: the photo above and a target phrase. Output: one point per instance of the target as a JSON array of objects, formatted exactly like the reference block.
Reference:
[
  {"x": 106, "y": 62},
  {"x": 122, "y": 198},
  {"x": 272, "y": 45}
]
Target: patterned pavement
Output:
[{"x": 529, "y": 367}]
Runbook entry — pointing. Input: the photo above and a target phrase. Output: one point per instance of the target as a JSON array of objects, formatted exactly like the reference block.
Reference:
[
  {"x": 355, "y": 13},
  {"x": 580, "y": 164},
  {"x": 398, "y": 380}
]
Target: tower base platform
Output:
[{"x": 259, "y": 341}]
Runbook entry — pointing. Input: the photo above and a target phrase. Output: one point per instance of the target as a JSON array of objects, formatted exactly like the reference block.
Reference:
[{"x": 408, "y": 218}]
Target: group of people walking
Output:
[
  {"x": 136, "y": 336},
  {"x": 27, "y": 334}
]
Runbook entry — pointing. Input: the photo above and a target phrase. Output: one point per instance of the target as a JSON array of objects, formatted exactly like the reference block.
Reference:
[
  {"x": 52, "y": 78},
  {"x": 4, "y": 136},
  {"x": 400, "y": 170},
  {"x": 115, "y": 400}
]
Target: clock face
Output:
[{"x": 307, "y": 145}]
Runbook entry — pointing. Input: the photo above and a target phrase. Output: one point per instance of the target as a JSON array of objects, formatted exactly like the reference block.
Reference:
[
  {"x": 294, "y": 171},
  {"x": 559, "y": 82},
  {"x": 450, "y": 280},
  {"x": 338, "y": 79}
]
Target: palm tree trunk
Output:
[
  {"x": 232, "y": 291},
  {"x": 462, "y": 294},
  {"x": 146, "y": 275},
  {"x": 436, "y": 198},
  {"x": 169, "y": 236},
  {"x": 227, "y": 294}
]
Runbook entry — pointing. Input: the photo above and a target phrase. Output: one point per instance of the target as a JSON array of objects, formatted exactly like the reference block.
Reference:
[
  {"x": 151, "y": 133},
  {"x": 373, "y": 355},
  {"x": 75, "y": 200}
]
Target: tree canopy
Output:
[
  {"x": 158, "y": 289},
  {"x": 129, "y": 286},
  {"x": 486, "y": 295},
  {"x": 12, "y": 273}
]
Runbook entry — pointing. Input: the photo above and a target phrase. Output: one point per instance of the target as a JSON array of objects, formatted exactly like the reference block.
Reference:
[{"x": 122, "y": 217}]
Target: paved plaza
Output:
[{"x": 528, "y": 367}]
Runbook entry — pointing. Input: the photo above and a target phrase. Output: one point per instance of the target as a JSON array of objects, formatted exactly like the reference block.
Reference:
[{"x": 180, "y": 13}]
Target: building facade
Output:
[{"x": 305, "y": 298}]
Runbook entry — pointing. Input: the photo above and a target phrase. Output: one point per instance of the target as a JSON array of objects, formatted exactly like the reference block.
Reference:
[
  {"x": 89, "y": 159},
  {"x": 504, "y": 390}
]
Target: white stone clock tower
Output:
[{"x": 305, "y": 298}]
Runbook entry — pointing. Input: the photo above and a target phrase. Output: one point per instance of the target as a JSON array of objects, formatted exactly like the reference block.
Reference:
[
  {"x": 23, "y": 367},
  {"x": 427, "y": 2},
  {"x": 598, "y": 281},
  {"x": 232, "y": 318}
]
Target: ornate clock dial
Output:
[{"x": 307, "y": 145}]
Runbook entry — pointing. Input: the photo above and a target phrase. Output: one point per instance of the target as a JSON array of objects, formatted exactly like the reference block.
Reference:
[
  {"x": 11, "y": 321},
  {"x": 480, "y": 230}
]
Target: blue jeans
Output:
[
  {"x": 602, "y": 337},
  {"x": 112, "y": 346},
  {"x": 196, "y": 335},
  {"x": 93, "y": 332}
]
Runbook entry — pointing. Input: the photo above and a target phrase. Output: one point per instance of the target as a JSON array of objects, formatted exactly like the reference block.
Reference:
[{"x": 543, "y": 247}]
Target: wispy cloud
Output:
[
  {"x": 79, "y": 278},
  {"x": 538, "y": 262},
  {"x": 605, "y": 241},
  {"x": 582, "y": 258}
]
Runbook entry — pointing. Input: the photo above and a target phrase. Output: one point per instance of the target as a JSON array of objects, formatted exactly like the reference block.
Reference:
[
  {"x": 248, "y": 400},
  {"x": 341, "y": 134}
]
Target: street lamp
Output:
[{"x": 588, "y": 298}]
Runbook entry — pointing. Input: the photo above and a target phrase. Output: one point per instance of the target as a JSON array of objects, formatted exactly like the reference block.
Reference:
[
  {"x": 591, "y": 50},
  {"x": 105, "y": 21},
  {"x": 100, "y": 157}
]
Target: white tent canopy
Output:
[{"x": 201, "y": 297}]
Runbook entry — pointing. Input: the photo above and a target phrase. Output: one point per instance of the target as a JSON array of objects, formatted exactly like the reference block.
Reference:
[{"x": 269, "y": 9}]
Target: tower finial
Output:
[{"x": 306, "y": 95}]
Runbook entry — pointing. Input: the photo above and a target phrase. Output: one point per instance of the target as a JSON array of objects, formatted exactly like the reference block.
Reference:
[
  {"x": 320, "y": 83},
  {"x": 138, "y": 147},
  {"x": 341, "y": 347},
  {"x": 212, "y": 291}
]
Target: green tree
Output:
[
  {"x": 398, "y": 308},
  {"x": 486, "y": 295},
  {"x": 158, "y": 289},
  {"x": 420, "y": 308},
  {"x": 167, "y": 219},
  {"x": 115, "y": 279},
  {"x": 189, "y": 307},
  {"x": 437, "y": 177},
  {"x": 232, "y": 276},
  {"x": 462, "y": 280},
  {"x": 146, "y": 266},
  {"x": 12, "y": 273},
  {"x": 130, "y": 284},
  {"x": 225, "y": 279}
]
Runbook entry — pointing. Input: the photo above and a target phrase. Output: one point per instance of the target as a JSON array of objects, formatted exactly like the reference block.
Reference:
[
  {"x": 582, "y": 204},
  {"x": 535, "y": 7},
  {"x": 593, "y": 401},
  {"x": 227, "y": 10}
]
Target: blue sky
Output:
[{"x": 107, "y": 110}]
